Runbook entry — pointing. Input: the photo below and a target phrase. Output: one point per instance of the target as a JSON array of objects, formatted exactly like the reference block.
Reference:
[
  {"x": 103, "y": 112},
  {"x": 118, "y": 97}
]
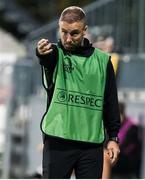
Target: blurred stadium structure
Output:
[
  {"x": 22, "y": 98},
  {"x": 123, "y": 19}
]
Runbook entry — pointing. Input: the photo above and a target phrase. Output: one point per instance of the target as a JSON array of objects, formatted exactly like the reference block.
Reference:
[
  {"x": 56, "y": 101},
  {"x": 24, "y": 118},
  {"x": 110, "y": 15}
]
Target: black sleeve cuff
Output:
[{"x": 116, "y": 139}]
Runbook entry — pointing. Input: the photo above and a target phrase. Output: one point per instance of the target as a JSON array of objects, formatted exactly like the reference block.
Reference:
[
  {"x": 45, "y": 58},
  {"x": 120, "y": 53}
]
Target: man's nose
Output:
[{"x": 69, "y": 38}]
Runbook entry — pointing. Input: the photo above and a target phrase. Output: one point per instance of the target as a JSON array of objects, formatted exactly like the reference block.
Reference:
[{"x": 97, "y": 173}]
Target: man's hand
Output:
[
  {"x": 44, "y": 47},
  {"x": 113, "y": 151}
]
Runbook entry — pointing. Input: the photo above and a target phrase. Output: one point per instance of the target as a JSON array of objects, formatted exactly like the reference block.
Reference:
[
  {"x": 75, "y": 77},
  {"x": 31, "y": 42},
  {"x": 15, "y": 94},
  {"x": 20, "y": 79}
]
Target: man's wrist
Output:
[{"x": 116, "y": 139}]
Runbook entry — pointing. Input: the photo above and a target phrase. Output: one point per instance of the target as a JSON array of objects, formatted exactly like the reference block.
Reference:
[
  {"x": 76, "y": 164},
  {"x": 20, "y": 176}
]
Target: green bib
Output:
[{"x": 76, "y": 108}]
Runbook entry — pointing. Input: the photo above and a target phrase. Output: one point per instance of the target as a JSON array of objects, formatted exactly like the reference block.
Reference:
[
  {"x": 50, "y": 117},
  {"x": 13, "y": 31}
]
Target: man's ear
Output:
[{"x": 85, "y": 29}]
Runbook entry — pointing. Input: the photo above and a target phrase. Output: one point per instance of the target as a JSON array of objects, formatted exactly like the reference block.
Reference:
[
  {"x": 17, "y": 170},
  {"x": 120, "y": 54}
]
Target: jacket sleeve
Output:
[
  {"x": 48, "y": 61},
  {"x": 111, "y": 113}
]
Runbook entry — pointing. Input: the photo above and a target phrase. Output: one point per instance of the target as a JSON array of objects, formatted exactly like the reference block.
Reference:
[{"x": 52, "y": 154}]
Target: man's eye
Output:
[
  {"x": 64, "y": 32},
  {"x": 74, "y": 34}
]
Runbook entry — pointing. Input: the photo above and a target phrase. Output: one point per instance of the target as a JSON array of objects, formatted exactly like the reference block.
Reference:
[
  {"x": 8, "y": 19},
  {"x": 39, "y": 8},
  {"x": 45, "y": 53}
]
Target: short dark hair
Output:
[{"x": 73, "y": 14}]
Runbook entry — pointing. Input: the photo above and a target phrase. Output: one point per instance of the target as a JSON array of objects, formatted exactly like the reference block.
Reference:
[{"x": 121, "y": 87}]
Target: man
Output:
[{"x": 82, "y": 102}]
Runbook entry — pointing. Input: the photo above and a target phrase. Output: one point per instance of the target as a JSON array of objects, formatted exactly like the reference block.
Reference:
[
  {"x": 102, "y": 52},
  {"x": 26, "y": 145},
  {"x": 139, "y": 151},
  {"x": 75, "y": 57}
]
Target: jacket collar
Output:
[{"x": 85, "y": 50}]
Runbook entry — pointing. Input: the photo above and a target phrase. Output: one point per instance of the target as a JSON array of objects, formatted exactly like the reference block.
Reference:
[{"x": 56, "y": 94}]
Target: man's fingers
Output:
[
  {"x": 113, "y": 151},
  {"x": 110, "y": 153},
  {"x": 44, "y": 47},
  {"x": 43, "y": 44},
  {"x": 47, "y": 52},
  {"x": 114, "y": 160},
  {"x": 114, "y": 157},
  {"x": 41, "y": 41}
]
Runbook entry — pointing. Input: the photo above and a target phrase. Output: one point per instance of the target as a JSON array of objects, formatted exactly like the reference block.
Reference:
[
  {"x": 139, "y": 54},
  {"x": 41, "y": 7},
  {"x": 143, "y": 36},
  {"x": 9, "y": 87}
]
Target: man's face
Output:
[{"x": 71, "y": 35}]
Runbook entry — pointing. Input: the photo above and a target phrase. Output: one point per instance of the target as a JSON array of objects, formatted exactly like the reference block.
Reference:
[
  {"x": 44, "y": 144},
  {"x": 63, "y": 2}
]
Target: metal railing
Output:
[{"x": 123, "y": 19}]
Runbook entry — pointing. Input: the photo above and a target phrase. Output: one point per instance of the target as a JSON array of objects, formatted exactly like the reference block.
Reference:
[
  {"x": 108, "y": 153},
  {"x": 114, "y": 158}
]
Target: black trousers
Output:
[{"x": 61, "y": 157}]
